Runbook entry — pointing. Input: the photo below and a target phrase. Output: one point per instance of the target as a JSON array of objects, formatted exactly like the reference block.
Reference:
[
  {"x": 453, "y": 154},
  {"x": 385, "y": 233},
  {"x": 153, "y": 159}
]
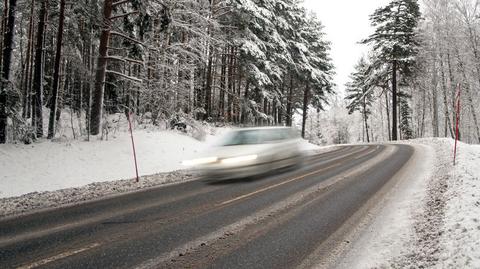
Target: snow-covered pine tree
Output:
[
  {"x": 395, "y": 42},
  {"x": 360, "y": 93},
  {"x": 315, "y": 67}
]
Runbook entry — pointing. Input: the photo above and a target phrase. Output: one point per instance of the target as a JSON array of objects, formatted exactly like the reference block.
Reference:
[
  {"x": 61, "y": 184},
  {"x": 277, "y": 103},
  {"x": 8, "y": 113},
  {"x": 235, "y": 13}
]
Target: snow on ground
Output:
[
  {"x": 462, "y": 228},
  {"x": 99, "y": 190},
  {"x": 431, "y": 219},
  {"x": 48, "y": 166}
]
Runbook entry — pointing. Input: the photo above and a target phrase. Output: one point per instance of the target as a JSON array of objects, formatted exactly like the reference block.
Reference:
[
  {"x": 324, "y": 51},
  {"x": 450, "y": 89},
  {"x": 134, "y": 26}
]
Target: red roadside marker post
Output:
[
  {"x": 133, "y": 145},
  {"x": 457, "y": 121}
]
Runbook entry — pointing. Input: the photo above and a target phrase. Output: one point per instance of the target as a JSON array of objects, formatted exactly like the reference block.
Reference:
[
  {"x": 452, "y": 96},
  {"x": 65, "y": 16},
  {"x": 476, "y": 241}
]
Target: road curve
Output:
[{"x": 272, "y": 221}]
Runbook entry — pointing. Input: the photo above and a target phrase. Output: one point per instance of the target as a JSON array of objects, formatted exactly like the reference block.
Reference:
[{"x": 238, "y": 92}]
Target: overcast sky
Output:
[{"x": 346, "y": 23}]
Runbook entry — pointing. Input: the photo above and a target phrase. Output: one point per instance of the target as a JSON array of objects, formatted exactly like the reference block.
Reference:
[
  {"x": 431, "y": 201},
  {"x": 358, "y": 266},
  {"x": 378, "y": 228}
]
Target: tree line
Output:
[
  {"x": 406, "y": 87},
  {"x": 246, "y": 62}
]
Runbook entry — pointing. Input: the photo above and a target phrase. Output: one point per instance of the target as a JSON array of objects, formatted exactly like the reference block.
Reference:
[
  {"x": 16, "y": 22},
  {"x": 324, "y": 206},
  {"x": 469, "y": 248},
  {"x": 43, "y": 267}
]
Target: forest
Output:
[
  {"x": 221, "y": 61},
  {"x": 422, "y": 73},
  {"x": 238, "y": 63}
]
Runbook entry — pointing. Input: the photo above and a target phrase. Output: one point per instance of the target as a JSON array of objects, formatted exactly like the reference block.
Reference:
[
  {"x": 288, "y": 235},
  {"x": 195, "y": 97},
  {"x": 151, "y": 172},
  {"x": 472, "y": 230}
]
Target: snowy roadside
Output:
[
  {"x": 35, "y": 201},
  {"x": 49, "y": 166},
  {"x": 430, "y": 219}
]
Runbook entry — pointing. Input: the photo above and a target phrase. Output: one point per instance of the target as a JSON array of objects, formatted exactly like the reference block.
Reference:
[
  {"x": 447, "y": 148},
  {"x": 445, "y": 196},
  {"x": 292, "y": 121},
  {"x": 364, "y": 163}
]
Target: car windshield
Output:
[{"x": 252, "y": 137}]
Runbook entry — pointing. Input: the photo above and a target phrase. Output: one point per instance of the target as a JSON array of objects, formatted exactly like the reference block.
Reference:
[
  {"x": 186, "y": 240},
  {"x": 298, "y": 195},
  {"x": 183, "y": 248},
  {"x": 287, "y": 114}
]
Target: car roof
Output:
[{"x": 263, "y": 128}]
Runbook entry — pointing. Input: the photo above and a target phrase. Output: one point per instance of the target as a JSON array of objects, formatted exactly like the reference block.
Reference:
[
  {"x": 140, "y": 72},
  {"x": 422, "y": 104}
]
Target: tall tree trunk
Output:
[
  {"x": 56, "y": 72},
  {"x": 365, "y": 118},
  {"x": 394, "y": 102},
  {"x": 230, "y": 86},
  {"x": 435, "y": 123},
  {"x": 243, "y": 118},
  {"x": 3, "y": 28},
  {"x": 280, "y": 104},
  {"x": 27, "y": 78},
  {"x": 223, "y": 85},
  {"x": 99, "y": 88},
  {"x": 7, "y": 61},
  {"x": 290, "y": 102},
  {"x": 306, "y": 97},
  {"x": 208, "y": 87},
  {"x": 38, "y": 72}
]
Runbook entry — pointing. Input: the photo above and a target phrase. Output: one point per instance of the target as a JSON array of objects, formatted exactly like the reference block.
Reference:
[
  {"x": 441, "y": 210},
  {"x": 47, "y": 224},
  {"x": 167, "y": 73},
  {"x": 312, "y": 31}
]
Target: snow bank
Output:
[
  {"x": 47, "y": 166},
  {"x": 461, "y": 237},
  {"x": 49, "y": 199},
  {"x": 432, "y": 220}
]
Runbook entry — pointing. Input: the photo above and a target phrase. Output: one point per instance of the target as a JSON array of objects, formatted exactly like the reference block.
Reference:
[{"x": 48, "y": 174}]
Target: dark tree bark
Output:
[
  {"x": 99, "y": 88},
  {"x": 230, "y": 86},
  {"x": 290, "y": 103},
  {"x": 3, "y": 27},
  {"x": 56, "y": 72},
  {"x": 38, "y": 72},
  {"x": 306, "y": 96},
  {"x": 223, "y": 84},
  {"x": 365, "y": 118},
  {"x": 28, "y": 66},
  {"x": 7, "y": 61},
  {"x": 394, "y": 102},
  {"x": 208, "y": 87}
]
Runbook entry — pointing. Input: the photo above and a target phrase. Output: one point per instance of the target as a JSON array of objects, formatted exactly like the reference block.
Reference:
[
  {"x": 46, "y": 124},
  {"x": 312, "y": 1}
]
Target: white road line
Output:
[{"x": 59, "y": 256}]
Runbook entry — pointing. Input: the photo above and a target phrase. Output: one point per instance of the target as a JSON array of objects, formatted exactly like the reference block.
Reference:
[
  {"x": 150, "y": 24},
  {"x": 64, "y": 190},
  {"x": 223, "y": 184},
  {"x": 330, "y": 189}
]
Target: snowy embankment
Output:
[
  {"x": 430, "y": 219},
  {"x": 50, "y": 174},
  {"x": 48, "y": 166}
]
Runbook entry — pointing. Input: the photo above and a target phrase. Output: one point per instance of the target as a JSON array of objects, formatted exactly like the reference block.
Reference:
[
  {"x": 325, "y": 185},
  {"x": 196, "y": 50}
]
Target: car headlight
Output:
[
  {"x": 200, "y": 161},
  {"x": 239, "y": 159}
]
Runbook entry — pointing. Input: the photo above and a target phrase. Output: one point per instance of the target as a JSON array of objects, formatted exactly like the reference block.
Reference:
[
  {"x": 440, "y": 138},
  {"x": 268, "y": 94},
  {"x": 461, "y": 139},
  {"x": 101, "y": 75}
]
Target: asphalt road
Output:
[{"x": 273, "y": 221}]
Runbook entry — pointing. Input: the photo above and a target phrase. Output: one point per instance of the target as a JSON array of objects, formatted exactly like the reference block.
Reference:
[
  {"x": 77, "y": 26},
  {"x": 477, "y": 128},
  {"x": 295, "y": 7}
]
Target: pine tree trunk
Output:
[
  {"x": 56, "y": 72},
  {"x": 306, "y": 97},
  {"x": 27, "y": 78},
  {"x": 394, "y": 102},
  {"x": 280, "y": 105},
  {"x": 230, "y": 86},
  {"x": 3, "y": 28},
  {"x": 6, "y": 65},
  {"x": 223, "y": 86},
  {"x": 38, "y": 71},
  {"x": 290, "y": 102},
  {"x": 99, "y": 88},
  {"x": 365, "y": 118},
  {"x": 208, "y": 87},
  {"x": 424, "y": 108}
]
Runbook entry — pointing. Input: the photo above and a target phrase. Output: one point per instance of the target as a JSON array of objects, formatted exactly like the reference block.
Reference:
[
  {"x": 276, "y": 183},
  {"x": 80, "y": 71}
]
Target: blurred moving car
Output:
[{"x": 251, "y": 151}]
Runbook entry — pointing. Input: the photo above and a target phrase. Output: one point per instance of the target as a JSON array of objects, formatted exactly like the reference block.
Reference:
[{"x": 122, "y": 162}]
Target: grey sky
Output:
[{"x": 346, "y": 23}]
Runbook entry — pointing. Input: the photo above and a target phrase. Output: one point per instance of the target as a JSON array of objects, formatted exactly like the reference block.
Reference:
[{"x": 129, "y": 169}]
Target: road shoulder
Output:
[{"x": 382, "y": 226}]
